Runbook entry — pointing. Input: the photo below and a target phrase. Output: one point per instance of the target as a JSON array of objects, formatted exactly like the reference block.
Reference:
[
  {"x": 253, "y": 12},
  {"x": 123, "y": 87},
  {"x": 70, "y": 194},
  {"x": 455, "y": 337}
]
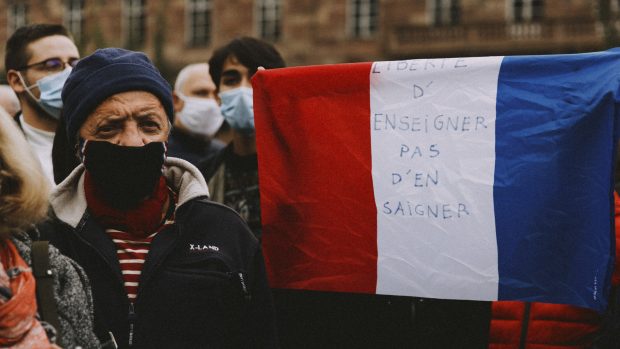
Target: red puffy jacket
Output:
[{"x": 548, "y": 326}]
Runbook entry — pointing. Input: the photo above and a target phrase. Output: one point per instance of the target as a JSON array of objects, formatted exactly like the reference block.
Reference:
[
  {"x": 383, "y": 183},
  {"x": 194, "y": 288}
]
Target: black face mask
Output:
[{"x": 124, "y": 176}]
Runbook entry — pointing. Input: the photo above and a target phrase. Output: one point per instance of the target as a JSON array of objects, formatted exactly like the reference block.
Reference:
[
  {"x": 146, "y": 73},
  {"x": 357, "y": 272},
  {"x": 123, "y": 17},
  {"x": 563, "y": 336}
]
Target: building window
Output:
[
  {"x": 363, "y": 15},
  {"x": 134, "y": 22},
  {"x": 269, "y": 19},
  {"x": 445, "y": 12},
  {"x": 74, "y": 17},
  {"x": 526, "y": 10},
  {"x": 17, "y": 16},
  {"x": 198, "y": 22}
]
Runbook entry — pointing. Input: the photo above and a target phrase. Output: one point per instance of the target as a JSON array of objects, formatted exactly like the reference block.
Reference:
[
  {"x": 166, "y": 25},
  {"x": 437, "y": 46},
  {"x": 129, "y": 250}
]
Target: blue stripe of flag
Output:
[{"x": 553, "y": 177}]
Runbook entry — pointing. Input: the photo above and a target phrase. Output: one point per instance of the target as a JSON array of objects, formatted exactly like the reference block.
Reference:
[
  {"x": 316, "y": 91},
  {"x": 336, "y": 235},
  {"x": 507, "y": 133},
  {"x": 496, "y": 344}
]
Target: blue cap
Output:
[{"x": 107, "y": 72}]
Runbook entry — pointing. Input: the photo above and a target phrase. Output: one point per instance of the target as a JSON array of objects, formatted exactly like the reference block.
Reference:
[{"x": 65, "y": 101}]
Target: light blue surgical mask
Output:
[
  {"x": 238, "y": 109},
  {"x": 51, "y": 89}
]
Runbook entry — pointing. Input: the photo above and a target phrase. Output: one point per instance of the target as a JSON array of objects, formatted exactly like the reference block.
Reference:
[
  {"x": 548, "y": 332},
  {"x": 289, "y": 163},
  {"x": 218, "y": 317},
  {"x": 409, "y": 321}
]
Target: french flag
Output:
[{"x": 480, "y": 178}]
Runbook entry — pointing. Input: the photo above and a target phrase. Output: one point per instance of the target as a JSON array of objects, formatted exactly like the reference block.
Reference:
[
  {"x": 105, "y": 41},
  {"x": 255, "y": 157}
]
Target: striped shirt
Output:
[{"x": 132, "y": 251}]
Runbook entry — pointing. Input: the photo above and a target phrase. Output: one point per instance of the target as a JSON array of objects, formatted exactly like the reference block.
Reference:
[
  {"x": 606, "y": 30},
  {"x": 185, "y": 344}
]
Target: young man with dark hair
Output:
[
  {"x": 232, "y": 173},
  {"x": 38, "y": 60}
]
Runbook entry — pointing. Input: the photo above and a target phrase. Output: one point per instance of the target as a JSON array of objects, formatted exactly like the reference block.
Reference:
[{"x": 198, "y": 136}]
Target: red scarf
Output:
[
  {"x": 19, "y": 327},
  {"x": 140, "y": 221}
]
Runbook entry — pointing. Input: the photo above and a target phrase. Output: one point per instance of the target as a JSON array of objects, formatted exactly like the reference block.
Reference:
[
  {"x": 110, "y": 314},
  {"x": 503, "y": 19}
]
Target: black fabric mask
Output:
[{"x": 124, "y": 176}]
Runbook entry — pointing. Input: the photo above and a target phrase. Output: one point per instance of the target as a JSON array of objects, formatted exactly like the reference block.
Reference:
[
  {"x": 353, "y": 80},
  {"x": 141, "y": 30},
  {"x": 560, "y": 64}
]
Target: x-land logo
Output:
[{"x": 201, "y": 247}]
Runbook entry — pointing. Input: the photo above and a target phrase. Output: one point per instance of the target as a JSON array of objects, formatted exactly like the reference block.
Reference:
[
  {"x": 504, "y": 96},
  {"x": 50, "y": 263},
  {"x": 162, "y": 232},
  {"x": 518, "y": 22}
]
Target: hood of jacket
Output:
[{"x": 68, "y": 200}]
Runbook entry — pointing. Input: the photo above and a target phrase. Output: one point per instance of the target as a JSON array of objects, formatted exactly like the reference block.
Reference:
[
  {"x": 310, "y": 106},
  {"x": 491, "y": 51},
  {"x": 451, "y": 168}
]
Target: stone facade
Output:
[{"x": 315, "y": 31}]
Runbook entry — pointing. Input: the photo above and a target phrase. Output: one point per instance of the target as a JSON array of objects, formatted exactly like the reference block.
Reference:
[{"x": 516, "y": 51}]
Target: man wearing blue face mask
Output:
[
  {"x": 199, "y": 128},
  {"x": 232, "y": 174},
  {"x": 38, "y": 60}
]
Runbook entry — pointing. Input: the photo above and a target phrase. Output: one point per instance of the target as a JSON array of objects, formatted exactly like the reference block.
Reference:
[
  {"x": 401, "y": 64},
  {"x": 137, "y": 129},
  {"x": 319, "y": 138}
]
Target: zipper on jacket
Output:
[
  {"x": 244, "y": 288},
  {"x": 132, "y": 319},
  {"x": 77, "y": 232}
]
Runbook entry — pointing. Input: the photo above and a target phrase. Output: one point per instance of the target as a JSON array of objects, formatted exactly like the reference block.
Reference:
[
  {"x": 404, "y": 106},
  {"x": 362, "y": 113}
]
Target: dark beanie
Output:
[{"x": 105, "y": 73}]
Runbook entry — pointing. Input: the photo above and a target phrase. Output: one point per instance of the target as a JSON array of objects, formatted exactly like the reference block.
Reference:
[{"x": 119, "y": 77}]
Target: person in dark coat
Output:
[
  {"x": 232, "y": 172},
  {"x": 168, "y": 267}
]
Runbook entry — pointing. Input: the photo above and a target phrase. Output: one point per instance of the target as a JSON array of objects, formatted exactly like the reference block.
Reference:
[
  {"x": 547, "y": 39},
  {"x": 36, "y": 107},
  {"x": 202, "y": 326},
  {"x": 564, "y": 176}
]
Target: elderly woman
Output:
[
  {"x": 23, "y": 201},
  {"x": 168, "y": 268}
]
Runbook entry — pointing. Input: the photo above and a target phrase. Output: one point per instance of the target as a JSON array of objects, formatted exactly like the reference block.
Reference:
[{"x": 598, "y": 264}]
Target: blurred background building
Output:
[{"x": 177, "y": 32}]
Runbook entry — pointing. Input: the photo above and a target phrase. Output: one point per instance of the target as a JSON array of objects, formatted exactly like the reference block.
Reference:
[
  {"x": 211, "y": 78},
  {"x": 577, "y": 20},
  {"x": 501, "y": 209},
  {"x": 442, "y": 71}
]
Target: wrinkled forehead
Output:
[{"x": 130, "y": 103}]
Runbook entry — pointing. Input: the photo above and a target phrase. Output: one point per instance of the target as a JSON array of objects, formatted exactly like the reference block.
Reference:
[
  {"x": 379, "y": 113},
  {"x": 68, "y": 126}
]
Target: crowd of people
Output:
[{"x": 130, "y": 218}]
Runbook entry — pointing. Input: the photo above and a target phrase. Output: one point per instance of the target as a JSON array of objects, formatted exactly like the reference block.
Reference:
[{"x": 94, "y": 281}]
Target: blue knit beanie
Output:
[{"x": 105, "y": 73}]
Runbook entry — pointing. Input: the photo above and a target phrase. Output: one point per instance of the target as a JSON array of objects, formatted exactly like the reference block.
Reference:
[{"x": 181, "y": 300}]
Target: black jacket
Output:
[
  {"x": 203, "y": 284},
  {"x": 192, "y": 148},
  {"x": 210, "y": 164}
]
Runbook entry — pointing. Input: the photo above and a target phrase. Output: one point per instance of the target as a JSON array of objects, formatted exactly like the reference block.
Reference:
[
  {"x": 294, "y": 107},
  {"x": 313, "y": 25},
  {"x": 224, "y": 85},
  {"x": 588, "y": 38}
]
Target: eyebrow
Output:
[
  {"x": 231, "y": 73},
  {"x": 111, "y": 119},
  {"x": 147, "y": 116},
  {"x": 72, "y": 58},
  {"x": 148, "y": 109},
  {"x": 145, "y": 108}
]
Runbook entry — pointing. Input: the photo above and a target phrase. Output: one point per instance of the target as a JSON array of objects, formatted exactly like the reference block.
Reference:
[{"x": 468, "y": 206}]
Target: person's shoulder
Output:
[
  {"x": 209, "y": 165},
  {"x": 66, "y": 270},
  {"x": 210, "y": 160},
  {"x": 204, "y": 215},
  {"x": 205, "y": 208},
  {"x": 23, "y": 243},
  {"x": 54, "y": 230},
  {"x": 70, "y": 271}
]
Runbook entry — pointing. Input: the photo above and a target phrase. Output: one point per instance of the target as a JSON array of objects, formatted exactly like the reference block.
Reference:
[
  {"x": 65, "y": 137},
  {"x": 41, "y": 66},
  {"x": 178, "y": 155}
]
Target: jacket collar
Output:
[{"x": 69, "y": 201}]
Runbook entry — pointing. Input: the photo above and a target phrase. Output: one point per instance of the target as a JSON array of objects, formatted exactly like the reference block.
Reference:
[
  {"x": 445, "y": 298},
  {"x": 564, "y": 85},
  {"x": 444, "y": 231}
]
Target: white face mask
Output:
[{"x": 200, "y": 116}]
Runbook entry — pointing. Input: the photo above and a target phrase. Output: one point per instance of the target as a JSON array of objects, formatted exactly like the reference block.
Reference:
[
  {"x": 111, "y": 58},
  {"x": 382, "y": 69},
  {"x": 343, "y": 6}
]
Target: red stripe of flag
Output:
[{"x": 318, "y": 210}]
